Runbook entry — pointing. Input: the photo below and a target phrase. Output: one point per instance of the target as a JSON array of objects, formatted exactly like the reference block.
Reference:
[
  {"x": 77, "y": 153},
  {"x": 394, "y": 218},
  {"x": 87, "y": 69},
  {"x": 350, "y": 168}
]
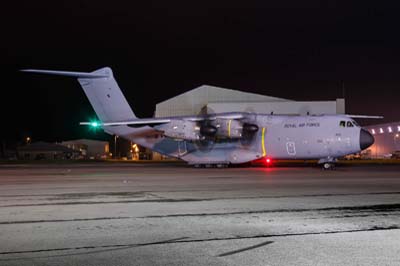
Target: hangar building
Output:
[
  {"x": 387, "y": 140},
  {"x": 208, "y": 99}
]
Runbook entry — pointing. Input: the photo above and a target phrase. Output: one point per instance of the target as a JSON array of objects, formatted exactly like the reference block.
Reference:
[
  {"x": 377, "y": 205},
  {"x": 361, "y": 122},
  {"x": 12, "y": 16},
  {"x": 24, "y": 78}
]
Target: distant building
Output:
[
  {"x": 89, "y": 149},
  {"x": 387, "y": 140},
  {"x": 45, "y": 151},
  {"x": 10, "y": 154}
]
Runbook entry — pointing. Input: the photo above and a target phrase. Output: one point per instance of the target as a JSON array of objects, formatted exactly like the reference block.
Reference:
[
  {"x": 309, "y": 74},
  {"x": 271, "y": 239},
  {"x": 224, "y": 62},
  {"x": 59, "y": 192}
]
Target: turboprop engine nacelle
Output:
[
  {"x": 229, "y": 128},
  {"x": 234, "y": 129},
  {"x": 181, "y": 129}
]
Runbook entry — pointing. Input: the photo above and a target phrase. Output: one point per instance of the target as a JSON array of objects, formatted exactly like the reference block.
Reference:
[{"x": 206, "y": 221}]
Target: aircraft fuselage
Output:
[{"x": 278, "y": 137}]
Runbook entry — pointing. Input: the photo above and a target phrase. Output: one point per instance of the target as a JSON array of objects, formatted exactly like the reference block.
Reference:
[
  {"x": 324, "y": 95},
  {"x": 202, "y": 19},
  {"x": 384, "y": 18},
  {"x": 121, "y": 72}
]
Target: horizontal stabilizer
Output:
[
  {"x": 142, "y": 122},
  {"x": 67, "y": 73}
]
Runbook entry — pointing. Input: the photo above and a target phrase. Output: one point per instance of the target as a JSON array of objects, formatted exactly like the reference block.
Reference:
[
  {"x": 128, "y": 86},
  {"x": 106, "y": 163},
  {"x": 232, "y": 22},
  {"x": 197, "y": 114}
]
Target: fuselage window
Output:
[
  {"x": 349, "y": 124},
  {"x": 342, "y": 124},
  {"x": 355, "y": 123}
]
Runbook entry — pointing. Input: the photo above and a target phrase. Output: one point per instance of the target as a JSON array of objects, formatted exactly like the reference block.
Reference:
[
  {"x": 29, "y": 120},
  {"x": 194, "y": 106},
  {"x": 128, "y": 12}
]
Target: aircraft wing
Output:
[
  {"x": 159, "y": 121},
  {"x": 233, "y": 116}
]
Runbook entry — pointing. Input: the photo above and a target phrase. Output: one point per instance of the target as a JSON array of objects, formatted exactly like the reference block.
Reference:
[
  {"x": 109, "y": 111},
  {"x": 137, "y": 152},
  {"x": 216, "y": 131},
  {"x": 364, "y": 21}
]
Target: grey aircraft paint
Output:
[{"x": 323, "y": 137}]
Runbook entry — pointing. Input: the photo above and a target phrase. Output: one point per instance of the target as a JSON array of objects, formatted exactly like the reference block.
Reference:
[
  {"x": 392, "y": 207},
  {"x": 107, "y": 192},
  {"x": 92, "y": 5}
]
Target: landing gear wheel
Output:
[
  {"x": 211, "y": 165},
  {"x": 328, "y": 166}
]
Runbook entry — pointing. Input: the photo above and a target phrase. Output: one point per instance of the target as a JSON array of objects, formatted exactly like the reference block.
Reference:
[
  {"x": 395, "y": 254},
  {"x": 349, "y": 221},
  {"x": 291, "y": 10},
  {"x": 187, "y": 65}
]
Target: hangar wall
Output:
[
  {"x": 210, "y": 99},
  {"x": 193, "y": 102},
  {"x": 387, "y": 140}
]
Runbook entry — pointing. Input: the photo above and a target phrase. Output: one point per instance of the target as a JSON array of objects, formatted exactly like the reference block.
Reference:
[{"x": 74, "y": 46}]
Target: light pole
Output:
[
  {"x": 397, "y": 141},
  {"x": 135, "y": 149},
  {"x": 115, "y": 146}
]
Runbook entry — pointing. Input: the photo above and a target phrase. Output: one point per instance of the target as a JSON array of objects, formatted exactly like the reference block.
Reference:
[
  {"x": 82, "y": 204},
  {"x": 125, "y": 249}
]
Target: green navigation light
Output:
[{"x": 94, "y": 124}]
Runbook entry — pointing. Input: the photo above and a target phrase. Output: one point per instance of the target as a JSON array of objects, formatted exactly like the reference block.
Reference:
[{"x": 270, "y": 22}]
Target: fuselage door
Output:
[
  {"x": 182, "y": 148},
  {"x": 291, "y": 148}
]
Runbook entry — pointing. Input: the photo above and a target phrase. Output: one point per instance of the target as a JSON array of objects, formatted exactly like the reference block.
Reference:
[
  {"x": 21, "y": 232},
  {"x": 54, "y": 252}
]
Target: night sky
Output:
[{"x": 301, "y": 50}]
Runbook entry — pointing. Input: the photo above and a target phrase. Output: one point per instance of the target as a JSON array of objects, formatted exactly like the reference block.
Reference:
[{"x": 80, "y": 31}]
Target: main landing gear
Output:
[
  {"x": 329, "y": 166},
  {"x": 328, "y": 163},
  {"x": 217, "y": 165}
]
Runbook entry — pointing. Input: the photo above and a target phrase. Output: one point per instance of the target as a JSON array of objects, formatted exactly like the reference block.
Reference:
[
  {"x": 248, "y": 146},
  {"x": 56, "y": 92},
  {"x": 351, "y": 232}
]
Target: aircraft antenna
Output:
[{"x": 343, "y": 90}]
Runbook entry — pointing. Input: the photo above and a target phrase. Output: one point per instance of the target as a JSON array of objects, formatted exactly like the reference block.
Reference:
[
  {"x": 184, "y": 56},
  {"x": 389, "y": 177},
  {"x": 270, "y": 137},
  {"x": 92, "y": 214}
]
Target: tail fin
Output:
[{"x": 102, "y": 91}]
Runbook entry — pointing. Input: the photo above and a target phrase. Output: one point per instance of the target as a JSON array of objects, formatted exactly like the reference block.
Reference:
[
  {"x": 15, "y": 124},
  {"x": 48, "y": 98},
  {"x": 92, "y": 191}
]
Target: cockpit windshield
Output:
[{"x": 348, "y": 123}]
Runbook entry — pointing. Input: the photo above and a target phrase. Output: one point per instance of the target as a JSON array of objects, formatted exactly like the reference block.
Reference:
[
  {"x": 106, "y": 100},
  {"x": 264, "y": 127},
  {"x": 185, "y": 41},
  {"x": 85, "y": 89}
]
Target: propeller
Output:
[
  {"x": 250, "y": 128},
  {"x": 207, "y": 131}
]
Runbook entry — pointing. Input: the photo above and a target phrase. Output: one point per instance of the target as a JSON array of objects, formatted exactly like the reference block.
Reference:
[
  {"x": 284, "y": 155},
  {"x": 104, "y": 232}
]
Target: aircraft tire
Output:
[{"x": 328, "y": 166}]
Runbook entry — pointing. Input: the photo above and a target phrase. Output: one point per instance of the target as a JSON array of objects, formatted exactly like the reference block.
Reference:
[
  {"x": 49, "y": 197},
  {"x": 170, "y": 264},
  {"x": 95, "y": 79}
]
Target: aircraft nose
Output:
[{"x": 366, "y": 139}]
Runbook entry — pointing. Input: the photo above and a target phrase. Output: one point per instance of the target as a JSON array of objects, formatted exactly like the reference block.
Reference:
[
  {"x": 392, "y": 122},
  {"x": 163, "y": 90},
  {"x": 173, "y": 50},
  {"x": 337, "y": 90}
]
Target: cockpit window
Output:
[{"x": 349, "y": 123}]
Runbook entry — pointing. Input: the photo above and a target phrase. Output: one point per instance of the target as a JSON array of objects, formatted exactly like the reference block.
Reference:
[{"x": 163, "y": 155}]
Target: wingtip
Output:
[{"x": 366, "y": 116}]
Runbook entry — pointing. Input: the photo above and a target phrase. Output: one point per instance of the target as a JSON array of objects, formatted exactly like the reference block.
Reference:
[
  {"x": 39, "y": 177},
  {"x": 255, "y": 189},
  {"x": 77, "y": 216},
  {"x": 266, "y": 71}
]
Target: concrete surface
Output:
[{"x": 141, "y": 214}]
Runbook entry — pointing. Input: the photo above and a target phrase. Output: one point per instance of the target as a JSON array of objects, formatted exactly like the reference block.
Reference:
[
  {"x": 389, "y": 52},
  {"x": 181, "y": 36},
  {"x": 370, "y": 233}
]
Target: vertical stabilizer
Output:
[
  {"x": 102, "y": 91},
  {"x": 106, "y": 97}
]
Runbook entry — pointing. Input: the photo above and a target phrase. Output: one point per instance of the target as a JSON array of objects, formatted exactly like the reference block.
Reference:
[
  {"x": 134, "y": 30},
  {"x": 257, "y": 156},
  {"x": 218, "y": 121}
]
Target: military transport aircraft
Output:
[{"x": 223, "y": 138}]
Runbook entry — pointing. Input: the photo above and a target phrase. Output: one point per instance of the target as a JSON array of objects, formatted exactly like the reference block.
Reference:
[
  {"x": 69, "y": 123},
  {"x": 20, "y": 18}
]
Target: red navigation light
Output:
[{"x": 268, "y": 160}]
